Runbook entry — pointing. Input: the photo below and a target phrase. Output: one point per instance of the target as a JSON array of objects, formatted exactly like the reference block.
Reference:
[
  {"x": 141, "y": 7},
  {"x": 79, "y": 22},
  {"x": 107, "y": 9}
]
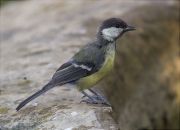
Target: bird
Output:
[{"x": 90, "y": 64}]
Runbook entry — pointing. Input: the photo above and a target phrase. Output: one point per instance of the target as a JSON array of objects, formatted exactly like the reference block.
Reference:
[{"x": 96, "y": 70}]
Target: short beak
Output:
[{"x": 129, "y": 28}]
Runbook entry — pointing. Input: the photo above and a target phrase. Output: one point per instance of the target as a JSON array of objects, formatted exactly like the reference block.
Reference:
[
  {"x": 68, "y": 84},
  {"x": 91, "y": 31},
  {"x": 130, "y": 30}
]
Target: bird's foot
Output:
[{"x": 96, "y": 99}]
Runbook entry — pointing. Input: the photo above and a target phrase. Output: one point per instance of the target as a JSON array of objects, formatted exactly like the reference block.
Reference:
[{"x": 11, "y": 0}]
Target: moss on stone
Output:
[
  {"x": 24, "y": 83},
  {"x": 63, "y": 107},
  {"x": 25, "y": 126},
  {"x": 15, "y": 114},
  {"x": 4, "y": 110},
  {"x": 83, "y": 127},
  {"x": 44, "y": 118}
]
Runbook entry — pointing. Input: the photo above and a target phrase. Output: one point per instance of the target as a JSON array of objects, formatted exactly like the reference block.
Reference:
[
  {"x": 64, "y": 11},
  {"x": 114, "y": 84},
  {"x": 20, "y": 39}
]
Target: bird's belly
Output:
[{"x": 91, "y": 80}]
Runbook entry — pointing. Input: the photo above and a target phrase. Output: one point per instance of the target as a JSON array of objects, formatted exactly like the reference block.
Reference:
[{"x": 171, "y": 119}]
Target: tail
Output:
[{"x": 43, "y": 90}]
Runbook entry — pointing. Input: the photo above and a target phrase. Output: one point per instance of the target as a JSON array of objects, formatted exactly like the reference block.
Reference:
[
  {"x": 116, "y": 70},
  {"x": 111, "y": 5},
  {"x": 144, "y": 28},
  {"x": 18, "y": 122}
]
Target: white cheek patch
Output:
[{"x": 111, "y": 32}]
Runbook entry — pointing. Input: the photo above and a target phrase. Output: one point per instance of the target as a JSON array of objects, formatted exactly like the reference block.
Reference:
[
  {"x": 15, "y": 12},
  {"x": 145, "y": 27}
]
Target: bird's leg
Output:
[
  {"x": 93, "y": 99},
  {"x": 94, "y": 96},
  {"x": 97, "y": 99}
]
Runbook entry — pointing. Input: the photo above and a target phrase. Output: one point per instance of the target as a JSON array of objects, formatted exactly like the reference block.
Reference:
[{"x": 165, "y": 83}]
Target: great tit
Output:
[{"x": 90, "y": 65}]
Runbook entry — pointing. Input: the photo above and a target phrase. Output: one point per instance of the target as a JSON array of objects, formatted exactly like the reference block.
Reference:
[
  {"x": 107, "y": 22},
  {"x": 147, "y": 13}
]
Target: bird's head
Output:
[{"x": 113, "y": 28}]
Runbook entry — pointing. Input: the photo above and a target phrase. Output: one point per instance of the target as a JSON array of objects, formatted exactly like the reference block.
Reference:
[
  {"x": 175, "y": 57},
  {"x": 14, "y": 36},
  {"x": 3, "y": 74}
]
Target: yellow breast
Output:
[{"x": 91, "y": 80}]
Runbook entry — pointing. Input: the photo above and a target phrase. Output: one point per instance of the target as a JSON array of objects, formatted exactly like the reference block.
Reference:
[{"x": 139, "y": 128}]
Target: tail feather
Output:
[{"x": 34, "y": 96}]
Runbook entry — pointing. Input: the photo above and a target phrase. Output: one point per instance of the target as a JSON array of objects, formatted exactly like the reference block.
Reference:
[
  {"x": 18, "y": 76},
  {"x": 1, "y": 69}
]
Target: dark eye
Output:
[{"x": 117, "y": 26}]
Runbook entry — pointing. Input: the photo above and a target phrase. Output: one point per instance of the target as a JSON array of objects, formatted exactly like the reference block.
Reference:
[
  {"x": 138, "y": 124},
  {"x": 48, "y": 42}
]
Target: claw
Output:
[
  {"x": 101, "y": 98},
  {"x": 92, "y": 101},
  {"x": 83, "y": 96},
  {"x": 97, "y": 99},
  {"x": 91, "y": 96},
  {"x": 87, "y": 101}
]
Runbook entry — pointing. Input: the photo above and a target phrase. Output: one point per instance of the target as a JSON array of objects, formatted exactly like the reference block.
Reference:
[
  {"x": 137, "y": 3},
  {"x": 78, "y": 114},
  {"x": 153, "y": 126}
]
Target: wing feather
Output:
[
  {"x": 69, "y": 74},
  {"x": 86, "y": 62}
]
